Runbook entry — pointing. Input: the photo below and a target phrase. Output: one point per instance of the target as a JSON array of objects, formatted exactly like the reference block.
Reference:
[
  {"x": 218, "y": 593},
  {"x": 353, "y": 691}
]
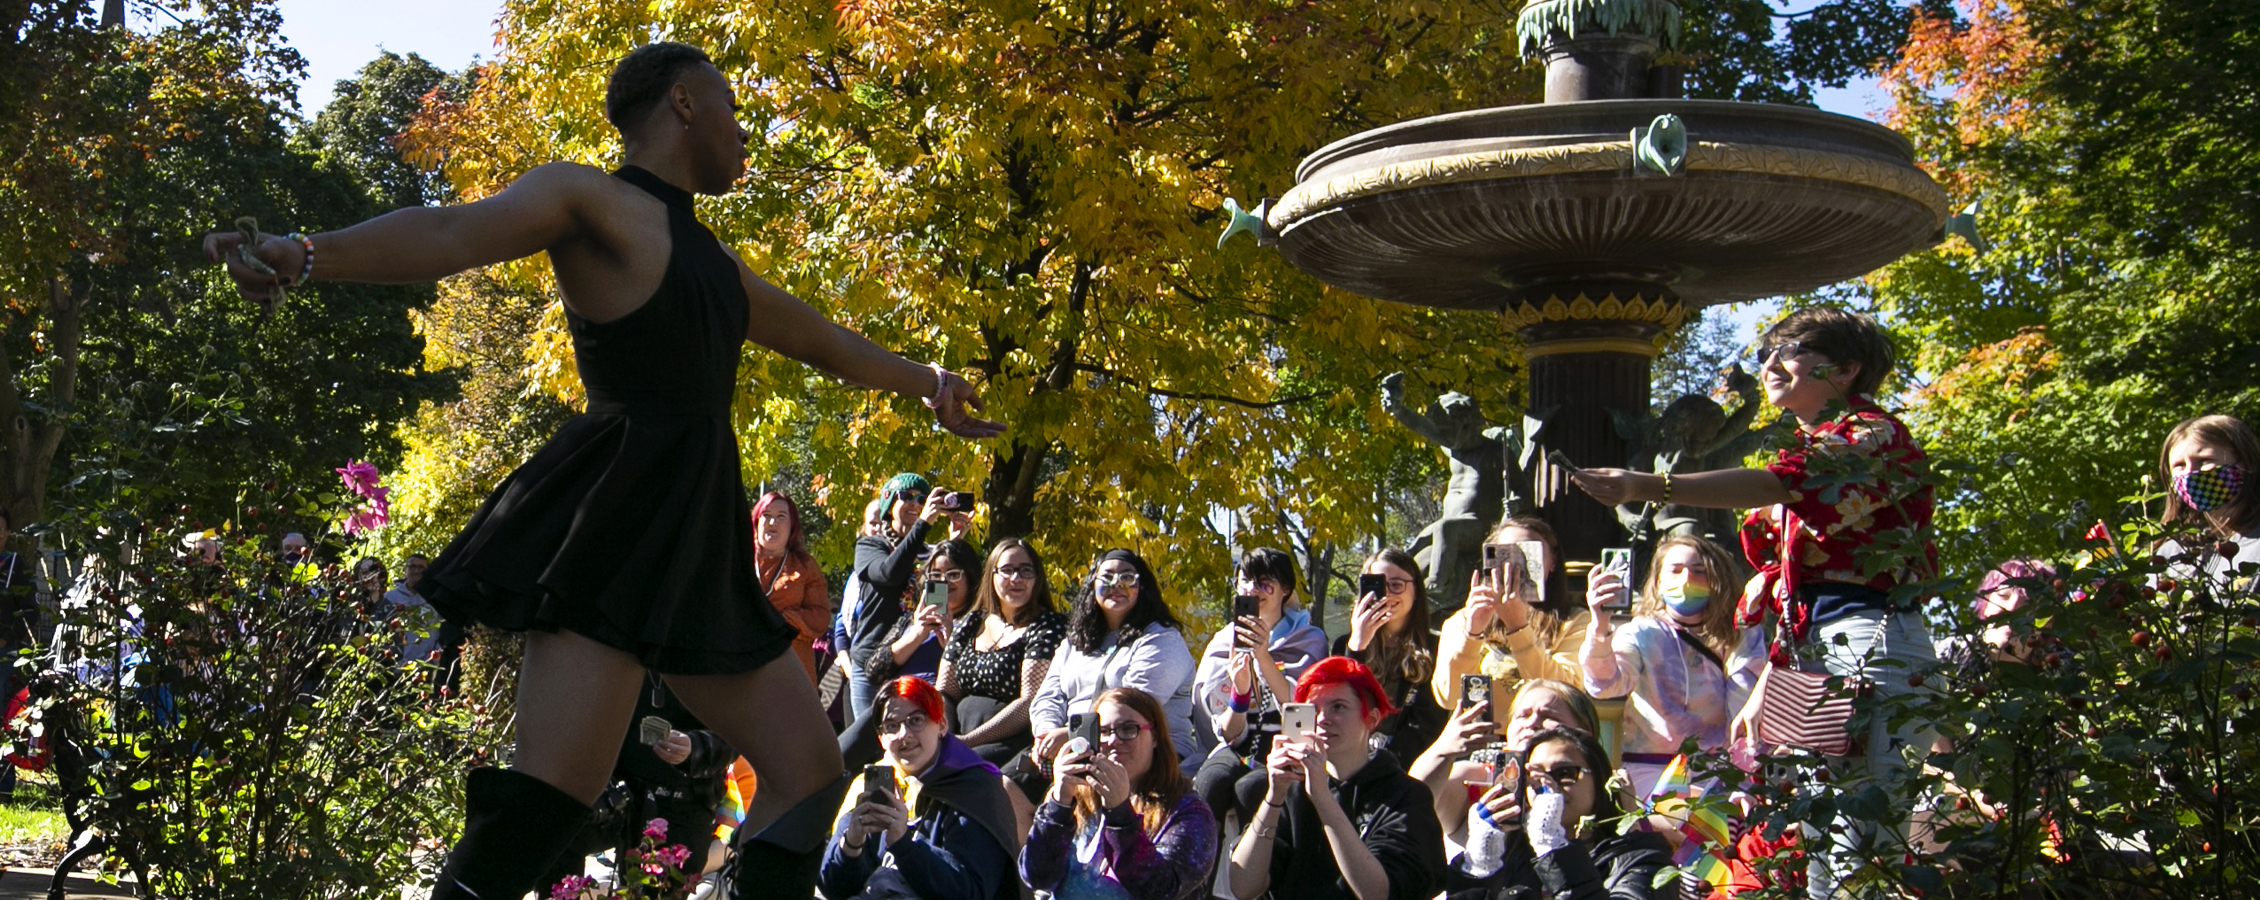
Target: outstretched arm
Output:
[
  {"x": 542, "y": 209},
  {"x": 783, "y": 323}
]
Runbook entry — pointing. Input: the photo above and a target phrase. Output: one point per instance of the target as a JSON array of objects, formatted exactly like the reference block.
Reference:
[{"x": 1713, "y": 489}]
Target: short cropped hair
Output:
[
  {"x": 1843, "y": 336},
  {"x": 921, "y": 693},
  {"x": 1272, "y": 563},
  {"x": 642, "y": 78},
  {"x": 1344, "y": 670}
]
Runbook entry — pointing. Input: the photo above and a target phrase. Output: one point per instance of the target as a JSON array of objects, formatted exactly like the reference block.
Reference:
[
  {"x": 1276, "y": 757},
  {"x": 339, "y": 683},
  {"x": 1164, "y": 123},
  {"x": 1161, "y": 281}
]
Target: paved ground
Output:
[{"x": 21, "y": 884}]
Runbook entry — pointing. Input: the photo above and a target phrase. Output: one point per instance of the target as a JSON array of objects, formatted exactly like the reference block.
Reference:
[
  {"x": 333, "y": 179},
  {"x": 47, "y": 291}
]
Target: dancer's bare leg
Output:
[
  {"x": 771, "y": 718},
  {"x": 574, "y": 699}
]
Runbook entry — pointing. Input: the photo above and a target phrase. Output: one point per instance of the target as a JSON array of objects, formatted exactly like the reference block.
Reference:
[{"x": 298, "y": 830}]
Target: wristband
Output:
[
  {"x": 305, "y": 272},
  {"x": 1240, "y": 702},
  {"x": 941, "y": 385}
]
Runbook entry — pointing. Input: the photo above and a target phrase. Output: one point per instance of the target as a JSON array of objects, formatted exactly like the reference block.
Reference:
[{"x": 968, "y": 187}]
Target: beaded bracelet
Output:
[
  {"x": 305, "y": 272},
  {"x": 941, "y": 385},
  {"x": 1667, "y": 490}
]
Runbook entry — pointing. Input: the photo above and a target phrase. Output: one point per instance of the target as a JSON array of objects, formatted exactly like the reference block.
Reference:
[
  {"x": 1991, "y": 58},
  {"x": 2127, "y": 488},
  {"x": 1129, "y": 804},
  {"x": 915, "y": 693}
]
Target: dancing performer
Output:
[{"x": 625, "y": 543}]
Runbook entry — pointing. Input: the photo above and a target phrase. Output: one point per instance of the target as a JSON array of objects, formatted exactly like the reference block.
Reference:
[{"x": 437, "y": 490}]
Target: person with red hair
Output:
[
  {"x": 934, "y": 822},
  {"x": 794, "y": 582},
  {"x": 1372, "y": 835}
]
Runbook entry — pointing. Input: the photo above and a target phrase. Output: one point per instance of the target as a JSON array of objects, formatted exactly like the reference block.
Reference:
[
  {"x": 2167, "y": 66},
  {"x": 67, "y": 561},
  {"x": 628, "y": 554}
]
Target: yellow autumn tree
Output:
[{"x": 1030, "y": 193}]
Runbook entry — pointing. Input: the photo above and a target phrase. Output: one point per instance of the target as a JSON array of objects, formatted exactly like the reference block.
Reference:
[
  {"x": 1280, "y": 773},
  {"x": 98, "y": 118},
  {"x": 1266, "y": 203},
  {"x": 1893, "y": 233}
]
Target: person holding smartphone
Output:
[
  {"x": 932, "y": 821},
  {"x": 1502, "y": 632},
  {"x": 1121, "y": 820},
  {"x": 1339, "y": 821},
  {"x": 1683, "y": 662},
  {"x": 886, "y": 567},
  {"x": 1529, "y": 836},
  {"x": 915, "y": 645},
  {"x": 1120, "y": 633},
  {"x": 1449, "y": 767},
  {"x": 1248, "y": 666},
  {"x": 1389, "y": 634}
]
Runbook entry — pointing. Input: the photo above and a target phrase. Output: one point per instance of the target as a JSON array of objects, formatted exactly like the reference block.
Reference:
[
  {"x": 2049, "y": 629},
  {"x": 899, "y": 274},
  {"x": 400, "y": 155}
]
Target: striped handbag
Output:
[{"x": 1797, "y": 709}]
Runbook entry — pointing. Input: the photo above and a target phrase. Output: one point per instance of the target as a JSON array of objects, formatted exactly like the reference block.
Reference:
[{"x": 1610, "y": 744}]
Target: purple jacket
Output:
[{"x": 1172, "y": 865}]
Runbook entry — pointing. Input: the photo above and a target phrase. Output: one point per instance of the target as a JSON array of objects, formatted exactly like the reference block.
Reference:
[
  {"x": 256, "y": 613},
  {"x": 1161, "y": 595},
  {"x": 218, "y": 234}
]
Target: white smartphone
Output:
[{"x": 1297, "y": 721}]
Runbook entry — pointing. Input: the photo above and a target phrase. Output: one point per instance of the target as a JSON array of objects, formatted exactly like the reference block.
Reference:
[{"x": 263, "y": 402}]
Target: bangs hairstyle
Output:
[
  {"x": 642, "y": 80},
  {"x": 1272, "y": 563},
  {"x": 1156, "y": 792},
  {"x": 1548, "y": 626},
  {"x": 921, "y": 693},
  {"x": 1039, "y": 596},
  {"x": 1086, "y": 622},
  {"x": 2228, "y": 433},
  {"x": 1372, "y": 700},
  {"x": 1409, "y": 655},
  {"x": 796, "y": 543},
  {"x": 1717, "y": 629},
  {"x": 1843, "y": 336}
]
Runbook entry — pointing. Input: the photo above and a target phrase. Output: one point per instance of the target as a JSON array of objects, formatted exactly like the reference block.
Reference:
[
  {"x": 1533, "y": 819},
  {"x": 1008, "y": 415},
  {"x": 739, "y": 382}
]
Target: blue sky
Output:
[{"x": 338, "y": 36}]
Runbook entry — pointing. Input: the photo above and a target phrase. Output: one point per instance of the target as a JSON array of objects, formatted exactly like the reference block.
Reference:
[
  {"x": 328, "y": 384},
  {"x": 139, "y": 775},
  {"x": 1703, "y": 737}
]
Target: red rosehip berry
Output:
[
  {"x": 2163, "y": 653},
  {"x": 2141, "y": 639}
]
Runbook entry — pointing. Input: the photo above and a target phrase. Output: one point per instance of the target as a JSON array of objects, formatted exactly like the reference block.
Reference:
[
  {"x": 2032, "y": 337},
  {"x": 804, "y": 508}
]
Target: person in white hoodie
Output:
[{"x": 1248, "y": 669}]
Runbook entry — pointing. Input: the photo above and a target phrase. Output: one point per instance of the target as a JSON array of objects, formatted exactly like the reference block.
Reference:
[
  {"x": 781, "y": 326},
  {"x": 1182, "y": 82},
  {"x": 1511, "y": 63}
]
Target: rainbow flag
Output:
[
  {"x": 1692, "y": 859},
  {"x": 1673, "y": 783},
  {"x": 1706, "y": 823},
  {"x": 1701, "y": 818}
]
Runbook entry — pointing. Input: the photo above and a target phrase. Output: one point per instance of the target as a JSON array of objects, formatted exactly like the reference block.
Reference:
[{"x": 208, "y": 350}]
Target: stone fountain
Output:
[{"x": 1595, "y": 221}]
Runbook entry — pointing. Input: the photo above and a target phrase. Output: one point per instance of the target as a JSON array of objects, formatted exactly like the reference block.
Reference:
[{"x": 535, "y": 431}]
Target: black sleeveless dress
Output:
[{"x": 631, "y": 526}]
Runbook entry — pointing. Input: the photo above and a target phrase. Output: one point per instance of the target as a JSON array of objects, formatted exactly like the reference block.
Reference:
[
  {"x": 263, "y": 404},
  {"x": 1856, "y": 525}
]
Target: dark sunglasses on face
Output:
[
  {"x": 1563, "y": 775},
  {"x": 1783, "y": 352},
  {"x": 911, "y": 496}
]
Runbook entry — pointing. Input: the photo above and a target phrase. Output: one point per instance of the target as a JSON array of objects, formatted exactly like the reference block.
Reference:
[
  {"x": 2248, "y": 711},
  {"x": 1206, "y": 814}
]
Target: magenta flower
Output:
[
  {"x": 361, "y": 477},
  {"x": 656, "y": 830},
  {"x": 571, "y": 887},
  {"x": 363, "y": 521},
  {"x": 674, "y": 855}
]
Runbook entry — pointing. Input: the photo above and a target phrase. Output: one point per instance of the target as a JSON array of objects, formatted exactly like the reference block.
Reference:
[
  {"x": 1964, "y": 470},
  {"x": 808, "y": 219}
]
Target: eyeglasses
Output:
[
  {"x": 1562, "y": 775},
  {"x": 1117, "y": 579},
  {"x": 1017, "y": 573},
  {"x": 1122, "y": 732},
  {"x": 911, "y": 496},
  {"x": 952, "y": 576},
  {"x": 1784, "y": 352},
  {"x": 1399, "y": 585},
  {"x": 775, "y": 518},
  {"x": 906, "y": 723}
]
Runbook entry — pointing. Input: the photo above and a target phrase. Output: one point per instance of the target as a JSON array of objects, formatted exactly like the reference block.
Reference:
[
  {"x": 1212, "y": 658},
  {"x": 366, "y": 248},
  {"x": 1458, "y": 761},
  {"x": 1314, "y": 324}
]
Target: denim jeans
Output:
[{"x": 1870, "y": 635}]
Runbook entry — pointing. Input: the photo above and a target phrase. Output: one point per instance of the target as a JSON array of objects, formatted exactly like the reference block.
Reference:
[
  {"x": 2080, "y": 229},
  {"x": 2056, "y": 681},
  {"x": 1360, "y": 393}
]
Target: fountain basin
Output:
[{"x": 1526, "y": 204}]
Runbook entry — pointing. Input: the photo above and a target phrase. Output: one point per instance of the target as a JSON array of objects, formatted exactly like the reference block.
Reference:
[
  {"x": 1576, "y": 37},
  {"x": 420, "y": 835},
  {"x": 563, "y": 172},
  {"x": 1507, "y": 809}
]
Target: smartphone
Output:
[
  {"x": 653, "y": 729},
  {"x": 1297, "y": 721},
  {"x": 1618, "y": 560},
  {"x": 1495, "y": 556},
  {"x": 1561, "y": 461},
  {"x": 1375, "y": 585},
  {"x": 937, "y": 595},
  {"x": 1534, "y": 568},
  {"x": 879, "y": 779},
  {"x": 1082, "y": 727},
  {"x": 1475, "y": 689},
  {"x": 957, "y": 501}
]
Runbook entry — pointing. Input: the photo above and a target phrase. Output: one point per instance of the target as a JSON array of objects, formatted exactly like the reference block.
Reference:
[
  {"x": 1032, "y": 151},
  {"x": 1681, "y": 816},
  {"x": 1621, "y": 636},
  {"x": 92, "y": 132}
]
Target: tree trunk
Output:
[{"x": 27, "y": 449}]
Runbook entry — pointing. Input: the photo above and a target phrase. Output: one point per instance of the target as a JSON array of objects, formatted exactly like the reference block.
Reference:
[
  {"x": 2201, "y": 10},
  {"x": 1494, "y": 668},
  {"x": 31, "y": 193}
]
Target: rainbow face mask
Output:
[
  {"x": 1686, "y": 599},
  {"x": 2206, "y": 490}
]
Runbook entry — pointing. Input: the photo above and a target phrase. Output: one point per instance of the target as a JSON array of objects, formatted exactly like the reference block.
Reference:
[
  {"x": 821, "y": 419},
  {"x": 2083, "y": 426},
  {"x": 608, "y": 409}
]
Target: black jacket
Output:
[
  {"x": 1395, "y": 817},
  {"x": 1618, "y": 867},
  {"x": 885, "y": 569},
  {"x": 1418, "y": 721}
]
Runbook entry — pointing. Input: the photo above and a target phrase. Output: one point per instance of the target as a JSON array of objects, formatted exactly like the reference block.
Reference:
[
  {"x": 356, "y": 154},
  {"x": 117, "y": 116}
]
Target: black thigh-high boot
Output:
[
  {"x": 514, "y": 826},
  {"x": 781, "y": 862}
]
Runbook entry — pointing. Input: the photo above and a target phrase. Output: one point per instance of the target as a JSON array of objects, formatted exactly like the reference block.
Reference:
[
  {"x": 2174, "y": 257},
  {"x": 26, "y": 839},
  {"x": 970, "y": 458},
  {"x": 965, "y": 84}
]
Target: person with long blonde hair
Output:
[
  {"x": 1682, "y": 662},
  {"x": 1505, "y": 634},
  {"x": 1121, "y": 818}
]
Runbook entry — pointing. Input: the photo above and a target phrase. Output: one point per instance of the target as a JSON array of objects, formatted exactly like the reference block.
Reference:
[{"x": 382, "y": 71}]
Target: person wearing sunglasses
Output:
[
  {"x": 1339, "y": 821},
  {"x": 1389, "y": 634},
  {"x": 885, "y": 565},
  {"x": 791, "y": 576},
  {"x": 939, "y": 825},
  {"x": 994, "y": 665},
  {"x": 1836, "y": 530},
  {"x": 1121, "y": 820},
  {"x": 1120, "y": 633},
  {"x": 1530, "y": 836},
  {"x": 1249, "y": 665}
]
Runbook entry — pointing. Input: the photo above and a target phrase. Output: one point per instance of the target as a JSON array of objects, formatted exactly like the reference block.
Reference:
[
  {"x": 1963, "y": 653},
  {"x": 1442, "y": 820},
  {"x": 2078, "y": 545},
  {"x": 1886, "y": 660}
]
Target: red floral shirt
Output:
[{"x": 1854, "y": 481}]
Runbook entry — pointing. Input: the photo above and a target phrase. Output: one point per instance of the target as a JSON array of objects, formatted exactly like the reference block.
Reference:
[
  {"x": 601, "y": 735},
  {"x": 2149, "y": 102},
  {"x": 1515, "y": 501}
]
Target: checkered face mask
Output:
[{"x": 2206, "y": 490}]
